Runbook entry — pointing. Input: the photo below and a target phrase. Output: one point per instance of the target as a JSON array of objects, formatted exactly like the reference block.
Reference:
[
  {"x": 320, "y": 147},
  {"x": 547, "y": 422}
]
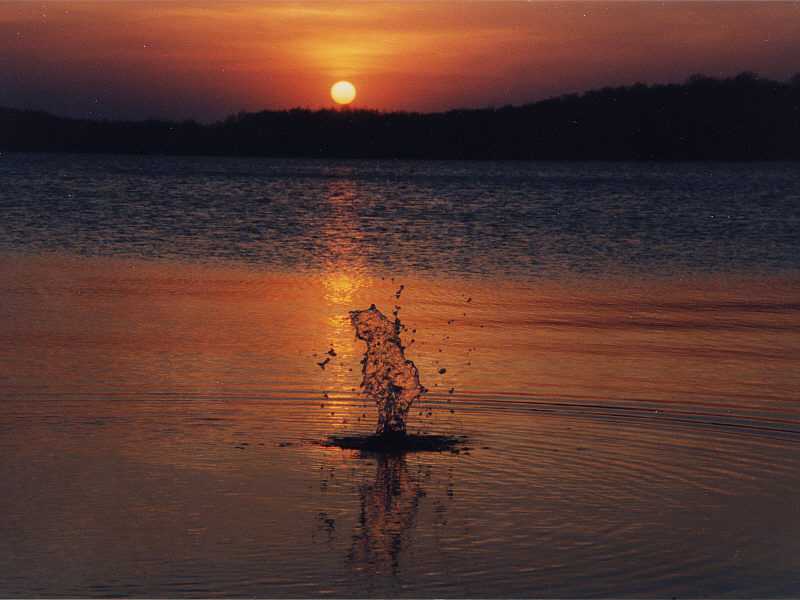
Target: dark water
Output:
[
  {"x": 516, "y": 220},
  {"x": 615, "y": 346}
]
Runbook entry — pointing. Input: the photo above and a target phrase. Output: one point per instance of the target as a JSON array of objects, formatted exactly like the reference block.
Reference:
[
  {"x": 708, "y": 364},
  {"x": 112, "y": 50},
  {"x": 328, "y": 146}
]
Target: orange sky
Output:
[{"x": 206, "y": 60}]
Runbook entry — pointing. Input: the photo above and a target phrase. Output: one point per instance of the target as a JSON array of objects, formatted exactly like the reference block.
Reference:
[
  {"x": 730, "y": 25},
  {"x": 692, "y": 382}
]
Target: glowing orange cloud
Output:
[{"x": 207, "y": 60}]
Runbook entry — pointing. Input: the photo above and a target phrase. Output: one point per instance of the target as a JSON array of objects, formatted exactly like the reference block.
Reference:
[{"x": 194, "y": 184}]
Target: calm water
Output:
[{"x": 618, "y": 343}]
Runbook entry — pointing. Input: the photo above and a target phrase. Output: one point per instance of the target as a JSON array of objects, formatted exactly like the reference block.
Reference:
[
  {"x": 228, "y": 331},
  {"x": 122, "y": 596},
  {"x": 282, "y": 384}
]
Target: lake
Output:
[{"x": 616, "y": 346}]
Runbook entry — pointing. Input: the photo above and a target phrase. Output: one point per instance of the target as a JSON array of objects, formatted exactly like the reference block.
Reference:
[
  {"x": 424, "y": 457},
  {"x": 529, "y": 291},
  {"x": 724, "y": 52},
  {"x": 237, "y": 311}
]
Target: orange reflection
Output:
[
  {"x": 344, "y": 248},
  {"x": 92, "y": 328},
  {"x": 340, "y": 287},
  {"x": 344, "y": 238}
]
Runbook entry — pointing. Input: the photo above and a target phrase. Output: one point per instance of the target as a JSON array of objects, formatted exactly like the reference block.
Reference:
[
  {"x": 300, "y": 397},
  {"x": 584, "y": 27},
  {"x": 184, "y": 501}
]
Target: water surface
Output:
[{"x": 618, "y": 344}]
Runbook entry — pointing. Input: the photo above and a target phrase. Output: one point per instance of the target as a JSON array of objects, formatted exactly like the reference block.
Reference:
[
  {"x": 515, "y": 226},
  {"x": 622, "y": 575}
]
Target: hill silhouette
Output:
[{"x": 739, "y": 118}]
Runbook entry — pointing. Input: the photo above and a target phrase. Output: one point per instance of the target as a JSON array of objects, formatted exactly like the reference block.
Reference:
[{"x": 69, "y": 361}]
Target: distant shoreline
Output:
[{"x": 739, "y": 118}]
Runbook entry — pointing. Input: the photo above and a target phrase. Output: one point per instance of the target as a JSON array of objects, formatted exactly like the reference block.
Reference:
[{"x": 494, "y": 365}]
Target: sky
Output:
[{"x": 207, "y": 60}]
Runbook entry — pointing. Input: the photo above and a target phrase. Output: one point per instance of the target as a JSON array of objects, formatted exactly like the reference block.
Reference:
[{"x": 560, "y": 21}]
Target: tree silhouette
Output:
[{"x": 739, "y": 118}]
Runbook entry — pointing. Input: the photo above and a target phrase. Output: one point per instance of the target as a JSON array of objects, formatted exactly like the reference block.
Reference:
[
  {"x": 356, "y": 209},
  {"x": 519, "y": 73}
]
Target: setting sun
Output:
[{"x": 343, "y": 92}]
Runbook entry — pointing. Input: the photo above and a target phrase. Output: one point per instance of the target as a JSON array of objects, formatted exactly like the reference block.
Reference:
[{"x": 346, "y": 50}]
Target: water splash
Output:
[
  {"x": 392, "y": 382},
  {"x": 390, "y": 379}
]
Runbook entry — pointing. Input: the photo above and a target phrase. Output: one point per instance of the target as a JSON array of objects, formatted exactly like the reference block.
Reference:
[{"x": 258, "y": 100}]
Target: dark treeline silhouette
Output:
[{"x": 739, "y": 118}]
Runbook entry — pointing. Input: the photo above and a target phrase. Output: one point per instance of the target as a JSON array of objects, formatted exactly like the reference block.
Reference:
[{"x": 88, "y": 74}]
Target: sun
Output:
[{"x": 343, "y": 92}]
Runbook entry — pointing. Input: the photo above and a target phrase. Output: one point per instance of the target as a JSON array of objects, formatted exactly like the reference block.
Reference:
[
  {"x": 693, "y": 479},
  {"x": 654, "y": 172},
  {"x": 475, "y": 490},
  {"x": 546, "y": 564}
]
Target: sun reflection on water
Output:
[
  {"x": 343, "y": 280},
  {"x": 340, "y": 287}
]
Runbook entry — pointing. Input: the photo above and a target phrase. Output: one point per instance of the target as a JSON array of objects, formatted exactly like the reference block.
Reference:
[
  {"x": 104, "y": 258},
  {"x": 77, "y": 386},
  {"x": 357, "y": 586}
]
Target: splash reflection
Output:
[{"x": 389, "y": 508}]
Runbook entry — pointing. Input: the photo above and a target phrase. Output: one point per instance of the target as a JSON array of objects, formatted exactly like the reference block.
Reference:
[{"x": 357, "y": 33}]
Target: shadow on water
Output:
[{"x": 396, "y": 444}]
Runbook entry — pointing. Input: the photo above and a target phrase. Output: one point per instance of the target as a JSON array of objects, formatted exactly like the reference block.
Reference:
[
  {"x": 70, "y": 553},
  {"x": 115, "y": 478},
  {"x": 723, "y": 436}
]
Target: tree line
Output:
[{"x": 738, "y": 118}]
